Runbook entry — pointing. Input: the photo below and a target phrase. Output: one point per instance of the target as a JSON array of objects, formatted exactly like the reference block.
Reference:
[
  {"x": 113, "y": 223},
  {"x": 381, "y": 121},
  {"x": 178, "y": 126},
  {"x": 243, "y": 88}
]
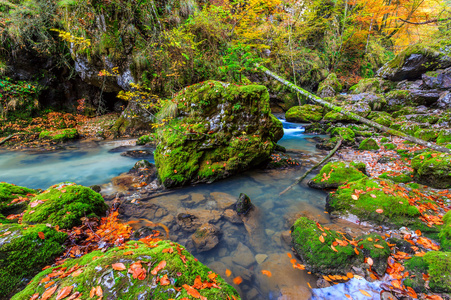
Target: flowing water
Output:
[{"x": 260, "y": 243}]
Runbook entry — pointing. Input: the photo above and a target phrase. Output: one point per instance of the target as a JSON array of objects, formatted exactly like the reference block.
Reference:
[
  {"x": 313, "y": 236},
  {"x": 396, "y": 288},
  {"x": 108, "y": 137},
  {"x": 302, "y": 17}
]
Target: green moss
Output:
[
  {"x": 384, "y": 120},
  {"x": 9, "y": 192},
  {"x": 359, "y": 166},
  {"x": 368, "y": 144},
  {"x": 319, "y": 257},
  {"x": 384, "y": 140},
  {"x": 97, "y": 271},
  {"x": 396, "y": 177},
  {"x": 445, "y": 232},
  {"x": 433, "y": 169},
  {"x": 426, "y": 134},
  {"x": 444, "y": 136},
  {"x": 407, "y": 110},
  {"x": 346, "y": 133},
  {"x": 367, "y": 85},
  {"x": 59, "y": 135},
  {"x": 396, "y": 209},
  {"x": 144, "y": 139},
  {"x": 63, "y": 205},
  {"x": 389, "y": 146},
  {"x": 334, "y": 174},
  {"x": 439, "y": 270},
  {"x": 379, "y": 255},
  {"x": 416, "y": 266},
  {"x": 23, "y": 254},
  {"x": 332, "y": 82},
  {"x": 304, "y": 114}
]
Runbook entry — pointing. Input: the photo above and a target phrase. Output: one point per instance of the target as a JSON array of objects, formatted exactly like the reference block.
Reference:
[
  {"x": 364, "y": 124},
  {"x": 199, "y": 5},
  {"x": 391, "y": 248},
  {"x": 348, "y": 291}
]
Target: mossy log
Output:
[{"x": 356, "y": 117}]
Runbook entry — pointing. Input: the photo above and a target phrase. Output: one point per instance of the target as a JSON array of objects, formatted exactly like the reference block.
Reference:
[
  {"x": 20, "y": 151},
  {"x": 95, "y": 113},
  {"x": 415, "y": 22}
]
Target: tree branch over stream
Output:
[{"x": 355, "y": 117}]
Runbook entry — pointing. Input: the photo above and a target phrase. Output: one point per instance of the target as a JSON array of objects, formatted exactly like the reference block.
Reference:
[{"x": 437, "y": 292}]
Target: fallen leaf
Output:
[
  {"x": 237, "y": 280},
  {"x": 350, "y": 275},
  {"x": 191, "y": 291},
  {"x": 333, "y": 248},
  {"x": 228, "y": 272},
  {"x": 64, "y": 292},
  {"x": 418, "y": 232},
  {"x": 267, "y": 273},
  {"x": 41, "y": 235},
  {"x": 160, "y": 266},
  {"x": 356, "y": 251},
  {"x": 365, "y": 293},
  {"x": 348, "y": 296},
  {"x": 99, "y": 291},
  {"x": 355, "y": 197},
  {"x": 379, "y": 210},
  {"x": 92, "y": 293},
  {"x": 369, "y": 261},
  {"x": 76, "y": 273},
  {"x": 165, "y": 280},
  {"x": 289, "y": 255},
  {"x": 321, "y": 238},
  {"x": 35, "y": 296},
  {"x": 119, "y": 266},
  {"x": 48, "y": 293},
  {"x": 378, "y": 246},
  {"x": 308, "y": 283}
]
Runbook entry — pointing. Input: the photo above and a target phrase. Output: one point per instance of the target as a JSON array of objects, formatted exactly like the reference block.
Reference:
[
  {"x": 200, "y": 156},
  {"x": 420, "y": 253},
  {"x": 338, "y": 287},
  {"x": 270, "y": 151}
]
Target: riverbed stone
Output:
[
  {"x": 64, "y": 205},
  {"x": 23, "y": 253},
  {"x": 124, "y": 285},
  {"x": 243, "y": 256},
  {"x": 223, "y": 200},
  {"x": 206, "y": 237},
  {"x": 220, "y": 129}
]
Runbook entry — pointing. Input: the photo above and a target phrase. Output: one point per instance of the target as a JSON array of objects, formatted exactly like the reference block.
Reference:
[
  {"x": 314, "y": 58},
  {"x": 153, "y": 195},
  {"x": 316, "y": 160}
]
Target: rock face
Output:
[
  {"x": 304, "y": 114},
  {"x": 136, "y": 276},
  {"x": 218, "y": 130},
  {"x": 63, "y": 205},
  {"x": 23, "y": 254},
  {"x": 433, "y": 169},
  {"x": 413, "y": 62}
]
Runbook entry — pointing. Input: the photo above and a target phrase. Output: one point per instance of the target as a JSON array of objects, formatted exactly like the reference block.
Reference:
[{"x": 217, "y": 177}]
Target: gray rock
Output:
[
  {"x": 444, "y": 102},
  {"x": 243, "y": 256},
  {"x": 206, "y": 237}
]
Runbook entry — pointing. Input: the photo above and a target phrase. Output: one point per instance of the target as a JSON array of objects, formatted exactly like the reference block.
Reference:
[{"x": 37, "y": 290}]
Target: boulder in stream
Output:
[
  {"x": 243, "y": 204},
  {"x": 336, "y": 173},
  {"x": 206, "y": 237},
  {"x": 217, "y": 130},
  {"x": 13, "y": 198}
]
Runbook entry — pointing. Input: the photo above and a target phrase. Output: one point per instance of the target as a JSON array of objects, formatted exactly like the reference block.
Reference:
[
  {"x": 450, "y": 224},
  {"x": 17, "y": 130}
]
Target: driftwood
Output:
[
  {"x": 9, "y": 137},
  {"x": 356, "y": 117},
  {"x": 299, "y": 180}
]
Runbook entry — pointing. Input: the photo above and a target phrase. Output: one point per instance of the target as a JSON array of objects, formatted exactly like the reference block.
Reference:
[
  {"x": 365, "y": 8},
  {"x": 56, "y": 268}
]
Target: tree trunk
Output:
[{"x": 363, "y": 120}]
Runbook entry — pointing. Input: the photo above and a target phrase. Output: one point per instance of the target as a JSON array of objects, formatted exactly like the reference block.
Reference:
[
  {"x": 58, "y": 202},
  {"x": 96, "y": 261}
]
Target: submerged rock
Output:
[
  {"x": 218, "y": 130},
  {"x": 64, "y": 205},
  {"x": 24, "y": 251},
  {"x": 136, "y": 275},
  {"x": 206, "y": 237},
  {"x": 243, "y": 204}
]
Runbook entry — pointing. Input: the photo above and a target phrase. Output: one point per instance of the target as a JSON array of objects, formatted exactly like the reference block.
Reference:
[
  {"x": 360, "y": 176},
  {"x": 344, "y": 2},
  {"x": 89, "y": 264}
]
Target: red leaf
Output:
[
  {"x": 64, "y": 292},
  {"x": 41, "y": 235}
]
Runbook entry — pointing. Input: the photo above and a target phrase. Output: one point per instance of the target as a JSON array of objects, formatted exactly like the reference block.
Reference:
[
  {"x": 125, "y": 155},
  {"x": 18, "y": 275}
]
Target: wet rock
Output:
[
  {"x": 232, "y": 216},
  {"x": 223, "y": 200},
  {"x": 322, "y": 283},
  {"x": 334, "y": 174},
  {"x": 444, "y": 102},
  {"x": 96, "y": 188},
  {"x": 124, "y": 182},
  {"x": 206, "y": 237},
  {"x": 9, "y": 192},
  {"x": 190, "y": 220},
  {"x": 254, "y": 228},
  {"x": 260, "y": 258},
  {"x": 243, "y": 256},
  {"x": 440, "y": 79},
  {"x": 294, "y": 292},
  {"x": 370, "y": 85},
  {"x": 330, "y": 86},
  {"x": 374, "y": 101},
  {"x": 243, "y": 205},
  {"x": 378, "y": 254},
  {"x": 433, "y": 169},
  {"x": 137, "y": 154}
]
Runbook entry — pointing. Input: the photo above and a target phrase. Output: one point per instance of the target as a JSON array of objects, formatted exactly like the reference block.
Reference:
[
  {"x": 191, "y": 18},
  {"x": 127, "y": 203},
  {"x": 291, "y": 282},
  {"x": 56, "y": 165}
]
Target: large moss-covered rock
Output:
[
  {"x": 414, "y": 61},
  {"x": 444, "y": 136},
  {"x": 219, "y": 129},
  {"x": 377, "y": 202},
  {"x": 334, "y": 174},
  {"x": 167, "y": 283},
  {"x": 305, "y": 114},
  {"x": 379, "y": 254},
  {"x": 63, "y": 205},
  {"x": 375, "y": 101},
  {"x": 23, "y": 254},
  {"x": 445, "y": 232},
  {"x": 319, "y": 257},
  {"x": 370, "y": 85},
  {"x": 368, "y": 144},
  {"x": 60, "y": 135},
  {"x": 437, "y": 265},
  {"x": 13, "y": 197},
  {"x": 433, "y": 169},
  {"x": 330, "y": 86}
]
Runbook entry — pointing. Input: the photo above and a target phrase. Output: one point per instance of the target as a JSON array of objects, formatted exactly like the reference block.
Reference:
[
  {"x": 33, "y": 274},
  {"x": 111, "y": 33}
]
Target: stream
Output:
[{"x": 260, "y": 243}]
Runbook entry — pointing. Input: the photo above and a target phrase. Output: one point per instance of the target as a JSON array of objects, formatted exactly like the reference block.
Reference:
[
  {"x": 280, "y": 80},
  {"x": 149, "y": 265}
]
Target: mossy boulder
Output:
[
  {"x": 437, "y": 265},
  {"x": 305, "y": 114},
  {"x": 375, "y": 101},
  {"x": 319, "y": 257},
  {"x": 180, "y": 268},
  {"x": 23, "y": 254},
  {"x": 384, "y": 120},
  {"x": 429, "y": 135},
  {"x": 145, "y": 139},
  {"x": 397, "y": 177},
  {"x": 359, "y": 108},
  {"x": 444, "y": 136},
  {"x": 389, "y": 146},
  {"x": 398, "y": 99},
  {"x": 343, "y": 132},
  {"x": 60, "y": 135},
  {"x": 372, "y": 85},
  {"x": 63, "y": 205},
  {"x": 13, "y": 198},
  {"x": 368, "y": 144},
  {"x": 330, "y": 86},
  {"x": 445, "y": 232},
  {"x": 433, "y": 169},
  {"x": 334, "y": 174},
  {"x": 378, "y": 202},
  {"x": 379, "y": 254},
  {"x": 414, "y": 61},
  {"x": 218, "y": 130},
  {"x": 430, "y": 118}
]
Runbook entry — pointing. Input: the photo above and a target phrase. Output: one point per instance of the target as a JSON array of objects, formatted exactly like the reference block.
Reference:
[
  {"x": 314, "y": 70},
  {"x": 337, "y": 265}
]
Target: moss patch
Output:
[
  {"x": 334, "y": 174},
  {"x": 23, "y": 254},
  {"x": 433, "y": 169},
  {"x": 379, "y": 255},
  {"x": 115, "y": 284},
  {"x": 9, "y": 192},
  {"x": 368, "y": 144},
  {"x": 63, "y": 205},
  {"x": 305, "y": 114},
  {"x": 59, "y": 135}
]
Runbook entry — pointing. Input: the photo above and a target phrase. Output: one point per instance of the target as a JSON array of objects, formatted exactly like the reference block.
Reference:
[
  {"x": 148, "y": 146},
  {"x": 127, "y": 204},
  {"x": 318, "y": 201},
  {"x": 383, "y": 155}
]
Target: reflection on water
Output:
[{"x": 85, "y": 163}]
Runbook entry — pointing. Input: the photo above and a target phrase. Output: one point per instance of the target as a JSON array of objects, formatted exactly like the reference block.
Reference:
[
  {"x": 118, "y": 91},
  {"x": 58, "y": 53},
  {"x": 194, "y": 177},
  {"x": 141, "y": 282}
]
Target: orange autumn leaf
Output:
[
  {"x": 99, "y": 291},
  {"x": 76, "y": 273},
  {"x": 128, "y": 253},
  {"x": 92, "y": 292},
  {"x": 412, "y": 293},
  {"x": 64, "y": 292},
  {"x": 378, "y": 246},
  {"x": 165, "y": 280},
  {"x": 356, "y": 251},
  {"x": 418, "y": 232},
  {"x": 228, "y": 272},
  {"x": 49, "y": 284},
  {"x": 267, "y": 273},
  {"x": 293, "y": 260},
  {"x": 308, "y": 283},
  {"x": 333, "y": 248},
  {"x": 34, "y": 297},
  {"x": 289, "y": 255},
  {"x": 41, "y": 235},
  {"x": 321, "y": 238},
  {"x": 197, "y": 282},
  {"x": 48, "y": 293},
  {"x": 191, "y": 291},
  {"x": 118, "y": 266},
  {"x": 237, "y": 280},
  {"x": 348, "y": 296},
  {"x": 137, "y": 270},
  {"x": 379, "y": 210},
  {"x": 365, "y": 293},
  {"x": 168, "y": 250},
  {"x": 160, "y": 266},
  {"x": 212, "y": 276},
  {"x": 350, "y": 275}
]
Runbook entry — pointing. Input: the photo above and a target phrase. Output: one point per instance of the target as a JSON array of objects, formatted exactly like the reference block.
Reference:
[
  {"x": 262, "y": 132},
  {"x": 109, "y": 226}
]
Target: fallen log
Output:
[
  {"x": 356, "y": 117},
  {"x": 299, "y": 180}
]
